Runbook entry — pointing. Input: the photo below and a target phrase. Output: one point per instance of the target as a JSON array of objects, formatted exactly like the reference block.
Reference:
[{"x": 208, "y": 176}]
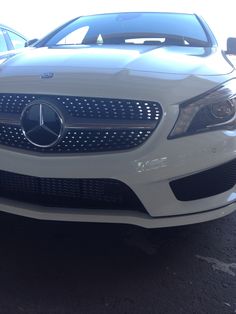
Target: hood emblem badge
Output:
[{"x": 47, "y": 75}]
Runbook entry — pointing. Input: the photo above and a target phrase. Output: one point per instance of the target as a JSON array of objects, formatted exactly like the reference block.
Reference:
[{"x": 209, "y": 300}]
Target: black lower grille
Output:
[
  {"x": 205, "y": 184},
  {"x": 69, "y": 193}
]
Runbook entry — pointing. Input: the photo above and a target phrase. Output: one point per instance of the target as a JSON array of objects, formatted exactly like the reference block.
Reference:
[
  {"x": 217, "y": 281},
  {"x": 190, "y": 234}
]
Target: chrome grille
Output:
[
  {"x": 14, "y": 103},
  {"x": 110, "y": 108},
  {"x": 91, "y": 124},
  {"x": 77, "y": 140}
]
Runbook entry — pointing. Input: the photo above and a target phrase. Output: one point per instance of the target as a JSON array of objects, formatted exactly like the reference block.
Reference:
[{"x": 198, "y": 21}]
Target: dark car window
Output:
[
  {"x": 3, "y": 45},
  {"x": 135, "y": 28},
  {"x": 76, "y": 37},
  {"x": 16, "y": 40}
]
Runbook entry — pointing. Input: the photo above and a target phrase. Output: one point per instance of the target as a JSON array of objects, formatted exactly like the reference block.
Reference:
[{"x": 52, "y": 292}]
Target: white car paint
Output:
[{"x": 167, "y": 75}]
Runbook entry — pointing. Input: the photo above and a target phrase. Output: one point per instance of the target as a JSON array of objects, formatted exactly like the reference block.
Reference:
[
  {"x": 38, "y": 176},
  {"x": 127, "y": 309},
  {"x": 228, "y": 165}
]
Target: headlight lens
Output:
[{"x": 210, "y": 111}]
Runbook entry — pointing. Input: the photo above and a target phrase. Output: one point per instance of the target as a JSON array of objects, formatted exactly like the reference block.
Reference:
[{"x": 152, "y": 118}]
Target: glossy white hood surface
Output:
[
  {"x": 166, "y": 74},
  {"x": 167, "y": 59}
]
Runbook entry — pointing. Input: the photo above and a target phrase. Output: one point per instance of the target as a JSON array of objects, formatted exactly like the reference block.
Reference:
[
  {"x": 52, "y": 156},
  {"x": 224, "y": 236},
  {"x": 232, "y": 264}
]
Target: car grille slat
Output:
[
  {"x": 91, "y": 124},
  {"x": 69, "y": 193}
]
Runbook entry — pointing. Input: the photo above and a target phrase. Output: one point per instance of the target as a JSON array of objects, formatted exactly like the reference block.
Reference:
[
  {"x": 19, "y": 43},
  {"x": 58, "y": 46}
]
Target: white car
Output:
[{"x": 120, "y": 118}]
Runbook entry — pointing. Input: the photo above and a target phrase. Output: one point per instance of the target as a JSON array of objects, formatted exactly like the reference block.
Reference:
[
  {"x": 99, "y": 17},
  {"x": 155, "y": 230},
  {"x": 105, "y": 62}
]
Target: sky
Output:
[{"x": 35, "y": 19}]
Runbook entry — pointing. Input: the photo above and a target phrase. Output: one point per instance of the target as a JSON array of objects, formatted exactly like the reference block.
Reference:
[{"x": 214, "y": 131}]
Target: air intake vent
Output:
[
  {"x": 205, "y": 184},
  {"x": 69, "y": 193}
]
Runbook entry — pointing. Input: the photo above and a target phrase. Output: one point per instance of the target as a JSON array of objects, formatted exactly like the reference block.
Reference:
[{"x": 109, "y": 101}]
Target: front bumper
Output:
[
  {"x": 147, "y": 170},
  {"x": 104, "y": 216}
]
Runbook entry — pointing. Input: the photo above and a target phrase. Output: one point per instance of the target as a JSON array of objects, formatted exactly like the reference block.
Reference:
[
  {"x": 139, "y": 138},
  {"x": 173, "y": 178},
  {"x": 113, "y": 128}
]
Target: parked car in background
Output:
[
  {"x": 10, "y": 39},
  {"x": 120, "y": 118}
]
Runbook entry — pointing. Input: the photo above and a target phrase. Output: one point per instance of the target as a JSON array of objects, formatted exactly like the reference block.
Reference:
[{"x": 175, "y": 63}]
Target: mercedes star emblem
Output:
[{"x": 42, "y": 123}]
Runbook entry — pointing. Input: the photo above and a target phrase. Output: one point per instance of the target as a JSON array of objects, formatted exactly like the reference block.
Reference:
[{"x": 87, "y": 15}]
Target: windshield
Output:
[{"x": 132, "y": 28}]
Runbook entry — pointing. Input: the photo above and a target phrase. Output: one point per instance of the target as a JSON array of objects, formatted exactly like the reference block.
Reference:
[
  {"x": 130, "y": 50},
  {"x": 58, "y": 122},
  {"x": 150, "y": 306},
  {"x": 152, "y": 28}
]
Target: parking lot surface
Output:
[{"x": 52, "y": 267}]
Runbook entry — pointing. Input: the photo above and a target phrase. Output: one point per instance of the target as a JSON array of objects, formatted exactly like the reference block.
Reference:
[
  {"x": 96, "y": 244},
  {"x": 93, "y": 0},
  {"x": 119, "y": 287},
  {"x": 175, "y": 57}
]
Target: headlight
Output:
[{"x": 210, "y": 111}]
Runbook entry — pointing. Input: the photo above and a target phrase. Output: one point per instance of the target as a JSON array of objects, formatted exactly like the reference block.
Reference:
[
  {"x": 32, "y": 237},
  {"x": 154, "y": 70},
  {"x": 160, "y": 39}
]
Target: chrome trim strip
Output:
[
  {"x": 10, "y": 118},
  {"x": 109, "y": 124},
  {"x": 80, "y": 123}
]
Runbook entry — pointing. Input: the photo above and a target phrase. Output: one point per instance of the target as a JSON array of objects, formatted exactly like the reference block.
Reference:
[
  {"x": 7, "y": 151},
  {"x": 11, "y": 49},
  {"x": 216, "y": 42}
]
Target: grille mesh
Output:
[
  {"x": 111, "y": 108},
  {"x": 69, "y": 193},
  {"x": 77, "y": 140},
  {"x": 14, "y": 103},
  {"x": 84, "y": 140},
  {"x": 95, "y": 108}
]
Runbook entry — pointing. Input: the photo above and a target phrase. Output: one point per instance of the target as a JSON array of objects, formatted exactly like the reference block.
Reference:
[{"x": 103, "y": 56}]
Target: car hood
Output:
[
  {"x": 130, "y": 72},
  {"x": 167, "y": 59}
]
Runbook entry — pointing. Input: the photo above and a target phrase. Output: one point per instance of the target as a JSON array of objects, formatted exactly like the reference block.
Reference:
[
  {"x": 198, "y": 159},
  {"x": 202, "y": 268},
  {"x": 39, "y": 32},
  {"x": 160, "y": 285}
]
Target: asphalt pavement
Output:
[{"x": 70, "y": 268}]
